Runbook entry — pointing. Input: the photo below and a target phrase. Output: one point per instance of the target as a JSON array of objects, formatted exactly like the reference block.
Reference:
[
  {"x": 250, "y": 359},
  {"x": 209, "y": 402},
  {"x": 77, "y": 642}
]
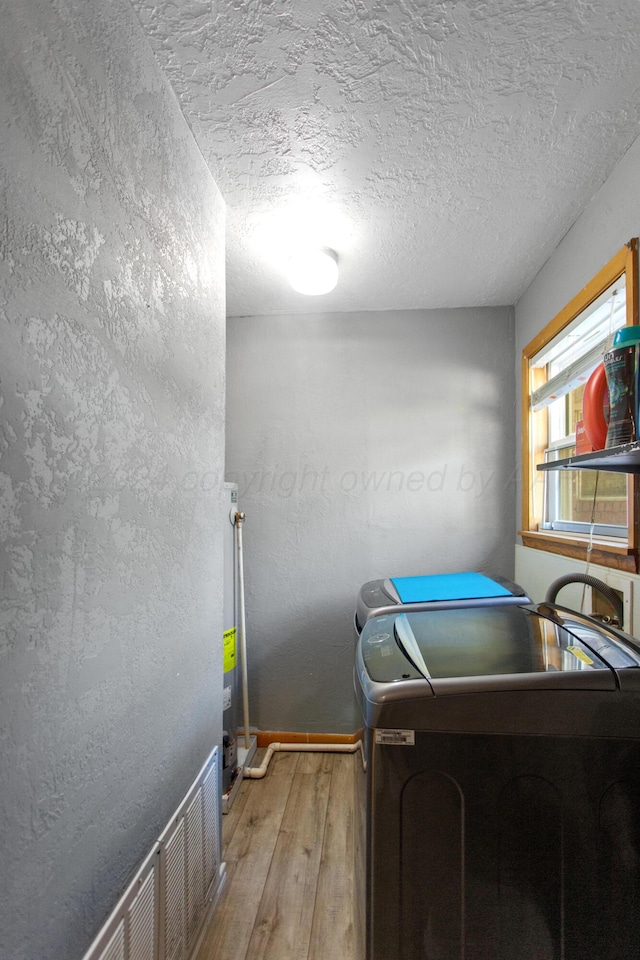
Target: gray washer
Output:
[{"x": 499, "y": 816}]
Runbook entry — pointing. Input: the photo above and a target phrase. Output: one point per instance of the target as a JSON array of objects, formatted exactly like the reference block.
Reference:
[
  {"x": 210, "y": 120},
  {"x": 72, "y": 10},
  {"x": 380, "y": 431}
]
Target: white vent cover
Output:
[
  {"x": 194, "y": 821},
  {"x": 143, "y": 921},
  {"x": 211, "y": 790},
  {"x": 115, "y": 947},
  {"x": 175, "y": 893},
  {"x": 161, "y": 915}
]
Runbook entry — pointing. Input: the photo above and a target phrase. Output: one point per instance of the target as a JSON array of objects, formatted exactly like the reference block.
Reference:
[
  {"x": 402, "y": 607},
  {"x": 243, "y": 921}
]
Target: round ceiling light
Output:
[{"x": 313, "y": 271}]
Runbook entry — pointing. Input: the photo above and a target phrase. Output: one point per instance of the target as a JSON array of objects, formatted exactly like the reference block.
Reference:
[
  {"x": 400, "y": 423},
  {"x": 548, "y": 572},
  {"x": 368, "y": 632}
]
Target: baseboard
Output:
[{"x": 265, "y": 737}]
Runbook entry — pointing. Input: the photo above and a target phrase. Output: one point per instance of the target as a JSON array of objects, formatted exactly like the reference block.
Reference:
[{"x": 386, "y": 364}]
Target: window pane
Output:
[
  {"x": 566, "y": 364},
  {"x": 574, "y": 353},
  {"x": 570, "y": 496},
  {"x": 564, "y": 414},
  {"x": 602, "y": 317},
  {"x": 611, "y": 504},
  {"x": 574, "y": 408}
]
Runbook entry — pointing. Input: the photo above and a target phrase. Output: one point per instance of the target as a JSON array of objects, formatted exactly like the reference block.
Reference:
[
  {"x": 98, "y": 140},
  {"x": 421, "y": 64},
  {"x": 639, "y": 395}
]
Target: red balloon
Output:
[{"x": 593, "y": 408}]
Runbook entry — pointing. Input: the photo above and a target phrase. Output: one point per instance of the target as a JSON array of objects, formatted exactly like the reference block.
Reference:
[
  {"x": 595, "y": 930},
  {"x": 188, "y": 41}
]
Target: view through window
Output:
[
  {"x": 569, "y": 499},
  {"x": 564, "y": 510}
]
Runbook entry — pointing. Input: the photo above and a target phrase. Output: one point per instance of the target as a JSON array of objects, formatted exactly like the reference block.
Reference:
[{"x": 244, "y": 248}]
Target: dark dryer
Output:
[
  {"x": 433, "y": 592},
  {"x": 499, "y": 816}
]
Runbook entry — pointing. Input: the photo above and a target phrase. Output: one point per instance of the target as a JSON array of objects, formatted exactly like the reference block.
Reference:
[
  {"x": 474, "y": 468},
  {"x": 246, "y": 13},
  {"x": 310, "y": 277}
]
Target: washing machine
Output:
[
  {"x": 499, "y": 814},
  {"x": 433, "y": 592}
]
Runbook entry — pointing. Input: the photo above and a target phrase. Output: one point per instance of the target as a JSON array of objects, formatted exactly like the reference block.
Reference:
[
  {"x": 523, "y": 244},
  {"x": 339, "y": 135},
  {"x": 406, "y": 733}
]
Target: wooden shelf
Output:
[{"x": 622, "y": 459}]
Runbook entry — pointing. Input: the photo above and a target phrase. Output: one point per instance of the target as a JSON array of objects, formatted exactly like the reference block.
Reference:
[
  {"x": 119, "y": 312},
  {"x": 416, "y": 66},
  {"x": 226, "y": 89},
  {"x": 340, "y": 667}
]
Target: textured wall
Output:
[
  {"x": 365, "y": 445},
  {"x": 112, "y": 370}
]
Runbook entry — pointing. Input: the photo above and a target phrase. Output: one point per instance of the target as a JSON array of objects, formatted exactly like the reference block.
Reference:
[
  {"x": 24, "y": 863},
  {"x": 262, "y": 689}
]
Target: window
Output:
[
  {"x": 569, "y": 511},
  {"x": 570, "y": 500}
]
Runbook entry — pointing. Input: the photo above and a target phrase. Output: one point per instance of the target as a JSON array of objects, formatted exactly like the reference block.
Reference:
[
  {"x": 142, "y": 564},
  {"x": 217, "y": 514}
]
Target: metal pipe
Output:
[{"x": 242, "y": 628}]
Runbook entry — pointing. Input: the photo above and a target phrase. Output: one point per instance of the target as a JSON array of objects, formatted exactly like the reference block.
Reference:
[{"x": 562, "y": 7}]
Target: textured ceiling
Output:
[{"x": 441, "y": 147}]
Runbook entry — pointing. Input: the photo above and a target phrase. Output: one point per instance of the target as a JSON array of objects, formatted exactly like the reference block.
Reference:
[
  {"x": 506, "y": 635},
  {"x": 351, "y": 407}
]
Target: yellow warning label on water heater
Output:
[
  {"x": 229, "y": 647},
  {"x": 580, "y": 654}
]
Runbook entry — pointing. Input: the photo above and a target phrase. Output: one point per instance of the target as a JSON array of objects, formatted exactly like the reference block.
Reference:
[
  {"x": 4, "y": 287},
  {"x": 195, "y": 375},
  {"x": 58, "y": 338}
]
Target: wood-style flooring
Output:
[{"x": 288, "y": 846}]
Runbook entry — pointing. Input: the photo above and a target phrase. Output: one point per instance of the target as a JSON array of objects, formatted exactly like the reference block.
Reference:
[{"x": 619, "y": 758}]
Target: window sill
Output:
[{"x": 609, "y": 553}]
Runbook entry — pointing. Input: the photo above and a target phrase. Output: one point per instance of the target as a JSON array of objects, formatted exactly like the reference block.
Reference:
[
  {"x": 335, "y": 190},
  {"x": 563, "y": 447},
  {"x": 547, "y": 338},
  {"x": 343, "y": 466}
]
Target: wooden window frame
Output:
[{"x": 603, "y": 551}]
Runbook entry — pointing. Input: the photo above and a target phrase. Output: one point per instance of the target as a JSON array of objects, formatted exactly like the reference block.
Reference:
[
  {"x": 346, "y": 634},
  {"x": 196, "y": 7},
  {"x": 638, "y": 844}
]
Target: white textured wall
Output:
[
  {"x": 365, "y": 445},
  {"x": 112, "y": 375}
]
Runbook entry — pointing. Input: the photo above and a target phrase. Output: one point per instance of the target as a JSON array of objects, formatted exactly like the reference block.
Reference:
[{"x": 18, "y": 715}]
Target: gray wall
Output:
[
  {"x": 608, "y": 222},
  {"x": 365, "y": 445},
  {"x": 112, "y": 371}
]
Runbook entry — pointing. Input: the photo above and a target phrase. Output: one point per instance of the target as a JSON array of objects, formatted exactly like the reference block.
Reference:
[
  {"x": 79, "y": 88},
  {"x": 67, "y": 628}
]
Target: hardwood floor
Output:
[{"x": 288, "y": 845}]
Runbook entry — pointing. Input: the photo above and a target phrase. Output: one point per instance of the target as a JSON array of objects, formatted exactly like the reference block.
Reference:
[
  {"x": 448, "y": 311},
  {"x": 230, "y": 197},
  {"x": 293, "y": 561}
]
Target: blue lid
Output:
[
  {"x": 627, "y": 335},
  {"x": 448, "y": 586}
]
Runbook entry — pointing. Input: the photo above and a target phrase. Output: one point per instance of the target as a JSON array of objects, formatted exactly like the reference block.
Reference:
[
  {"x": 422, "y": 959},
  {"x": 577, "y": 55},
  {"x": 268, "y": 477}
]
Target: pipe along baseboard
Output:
[{"x": 256, "y": 773}]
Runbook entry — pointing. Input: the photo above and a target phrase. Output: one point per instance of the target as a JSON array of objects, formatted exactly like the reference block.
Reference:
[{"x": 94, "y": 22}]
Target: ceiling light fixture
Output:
[{"x": 313, "y": 271}]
